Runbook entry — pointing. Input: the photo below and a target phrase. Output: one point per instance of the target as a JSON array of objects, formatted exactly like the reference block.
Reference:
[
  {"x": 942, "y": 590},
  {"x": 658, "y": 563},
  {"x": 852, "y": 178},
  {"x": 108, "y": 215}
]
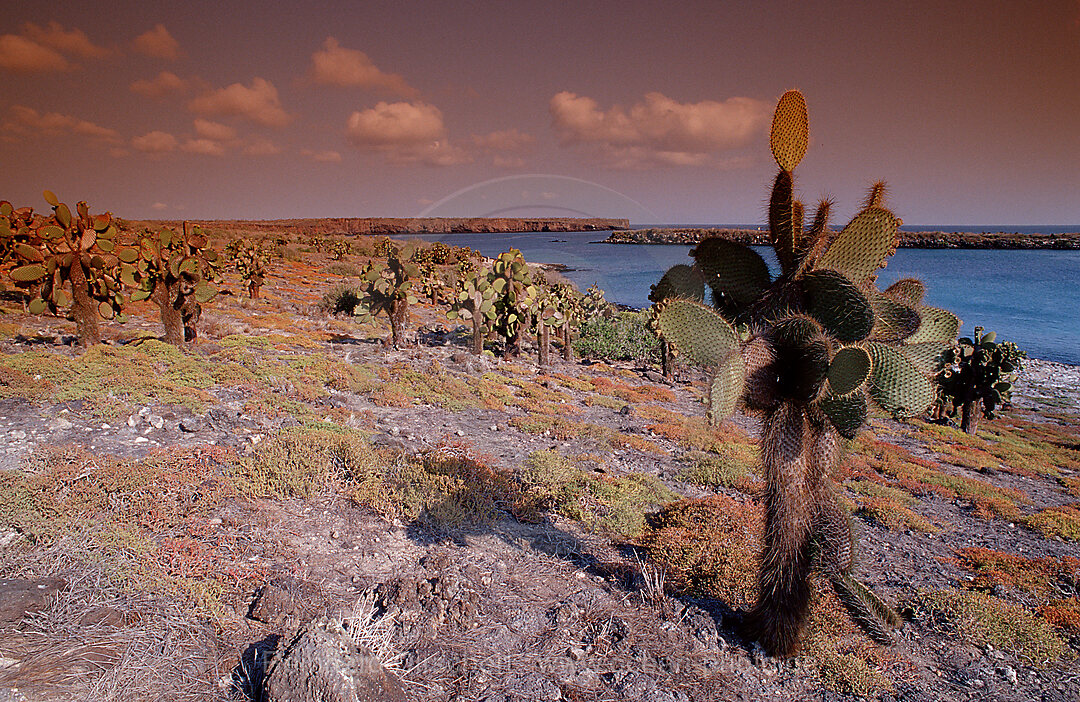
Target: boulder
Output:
[{"x": 20, "y": 597}]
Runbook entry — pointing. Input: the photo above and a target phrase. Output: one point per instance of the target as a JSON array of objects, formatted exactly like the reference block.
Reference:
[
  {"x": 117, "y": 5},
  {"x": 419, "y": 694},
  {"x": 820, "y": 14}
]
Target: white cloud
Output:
[
  {"x": 258, "y": 103},
  {"x": 336, "y": 65},
  {"x": 322, "y": 156},
  {"x": 214, "y": 130},
  {"x": 24, "y": 55},
  {"x": 155, "y": 142},
  {"x": 206, "y": 147},
  {"x": 73, "y": 41},
  {"x": 157, "y": 43},
  {"x": 659, "y": 130},
  {"x": 164, "y": 83},
  {"x": 26, "y": 120},
  {"x": 261, "y": 147},
  {"x": 505, "y": 147},
  {"x": 405, "y": 132}
]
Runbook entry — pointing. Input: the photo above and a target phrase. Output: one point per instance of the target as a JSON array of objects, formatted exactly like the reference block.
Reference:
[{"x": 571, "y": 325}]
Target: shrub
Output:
[
  {"x": 343, "y": 298},
  {"x": 623, "y": 337}
]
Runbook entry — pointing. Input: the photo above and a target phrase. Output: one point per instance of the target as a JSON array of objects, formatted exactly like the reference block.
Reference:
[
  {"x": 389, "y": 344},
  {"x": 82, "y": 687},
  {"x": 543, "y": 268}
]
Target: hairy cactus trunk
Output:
[
  {"x": 666, "y": 361},
  {"x": 477, "y": 334},
  {"x": 543, "y": 342},
  {"x": 166, "y": 297},
  {"x": 399, "y": 316},
  {"x": 567, "y": 349},
  {"x": 82, "y": 308},
  {"x": 969, "y": 416},
  {"x": 795, "y": 456},
  {"x": 253, "y": 289}
]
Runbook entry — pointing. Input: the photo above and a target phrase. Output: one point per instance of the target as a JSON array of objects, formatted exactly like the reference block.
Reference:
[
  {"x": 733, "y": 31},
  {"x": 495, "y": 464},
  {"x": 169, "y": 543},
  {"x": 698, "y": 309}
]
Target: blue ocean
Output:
[{"x": 1030, "y": 297}]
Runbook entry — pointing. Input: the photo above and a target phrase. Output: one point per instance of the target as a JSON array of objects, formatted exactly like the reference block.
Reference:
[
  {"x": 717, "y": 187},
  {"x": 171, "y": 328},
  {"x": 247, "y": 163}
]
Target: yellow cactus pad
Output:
[{"x": 790, "y": 134}]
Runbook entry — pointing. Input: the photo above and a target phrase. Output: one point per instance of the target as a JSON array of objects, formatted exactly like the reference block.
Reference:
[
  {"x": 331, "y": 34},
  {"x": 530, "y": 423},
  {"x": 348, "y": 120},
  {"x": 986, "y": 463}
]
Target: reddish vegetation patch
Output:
[{"x": 1032, "y": 575}]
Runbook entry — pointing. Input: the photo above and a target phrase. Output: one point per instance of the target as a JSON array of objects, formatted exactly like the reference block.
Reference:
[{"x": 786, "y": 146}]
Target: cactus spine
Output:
[{"x": 807, "y": 350}]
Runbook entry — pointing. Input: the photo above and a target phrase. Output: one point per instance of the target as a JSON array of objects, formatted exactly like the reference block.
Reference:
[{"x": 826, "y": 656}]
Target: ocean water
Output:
[{"x": 1030, "y": 297}]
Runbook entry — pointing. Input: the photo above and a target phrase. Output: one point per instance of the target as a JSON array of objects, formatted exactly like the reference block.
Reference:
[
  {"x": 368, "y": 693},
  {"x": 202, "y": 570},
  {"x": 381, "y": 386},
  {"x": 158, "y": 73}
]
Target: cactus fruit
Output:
[
  {"x": 977, "y": 371},
  {"x": 174, "y": 270},
  {"x": 387, "y": 288},
  {"x": 66, "y": 252},
  {"x": 808, "y": 350}
]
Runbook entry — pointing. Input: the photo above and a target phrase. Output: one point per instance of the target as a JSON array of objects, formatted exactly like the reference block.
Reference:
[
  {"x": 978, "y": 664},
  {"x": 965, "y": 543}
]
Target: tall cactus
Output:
[
  {"x": 174, "y": 270},
  {"x": 807, "y": 350},
  {"x": 67, "y": 252},
  {"x": 387, "y": 288},
  {"x": 250, "y": 260},
  {"x": 515, "y": 293},
  {"x": 475, "y": 302}
]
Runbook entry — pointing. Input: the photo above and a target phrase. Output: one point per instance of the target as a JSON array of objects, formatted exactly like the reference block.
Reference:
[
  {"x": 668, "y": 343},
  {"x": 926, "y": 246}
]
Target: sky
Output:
[{"x": 654, "y": 111}]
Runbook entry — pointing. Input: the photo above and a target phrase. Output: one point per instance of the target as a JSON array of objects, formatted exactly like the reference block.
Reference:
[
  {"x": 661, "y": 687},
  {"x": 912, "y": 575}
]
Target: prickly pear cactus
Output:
[
  {"x": 251, "y": 261},
  {"x": 514, "y": 296},
  {"x": 474, "y": 302},
  {"x": 978, "y": 371},
  {"x": 387, "y": 288},
  {"x": 809, "y": 349},
  {"x": 175, "y": 271},
  {"x": 68, "y": 259}
]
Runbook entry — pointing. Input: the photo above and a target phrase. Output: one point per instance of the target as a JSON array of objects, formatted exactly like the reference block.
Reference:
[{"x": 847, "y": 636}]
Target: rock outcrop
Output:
[{"x": 911, "y": 240}]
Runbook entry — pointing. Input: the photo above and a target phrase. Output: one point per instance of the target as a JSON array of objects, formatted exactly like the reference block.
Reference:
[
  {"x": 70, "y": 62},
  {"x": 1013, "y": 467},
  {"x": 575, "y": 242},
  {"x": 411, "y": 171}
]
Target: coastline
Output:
[{"x": 915, "y": 240}]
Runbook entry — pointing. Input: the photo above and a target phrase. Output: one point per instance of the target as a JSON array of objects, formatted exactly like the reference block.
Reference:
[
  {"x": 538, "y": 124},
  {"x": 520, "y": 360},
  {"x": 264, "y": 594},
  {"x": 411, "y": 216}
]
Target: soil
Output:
[{"x": 508, "y": 610}]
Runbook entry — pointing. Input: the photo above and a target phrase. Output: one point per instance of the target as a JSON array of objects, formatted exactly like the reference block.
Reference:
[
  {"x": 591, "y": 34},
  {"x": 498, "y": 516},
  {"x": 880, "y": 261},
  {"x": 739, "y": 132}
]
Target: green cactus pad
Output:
[
  {"x": 697, "y": 331},
  {"x": 737, "y": 274},
  {"x": 849, "y": 369},
  {"x": 204, "y": 292},
  {"x": 790, "y": 134},
  {"x": 38, "y": 306},
  {"x": 937, "y": 325},
  {"x": 29, "y": 253},
  {"x": 680, "y": 281},
  {"x": 28, "y": 274},
  {"x": 727, "y": 388},
  {"x": 925, "y": 355},
  {"x": 105, "y": 309},
  {"x": 909, "y": 291},
  {"x": 846, "y": 413},
  {"x": 896, "y": 384},
  {"x": 988, "y": 338},
  {"x": 50, "y": 197},
  {"x": 863, "y": 245},
  {"x": 840, "y": 307},
  {"x": 894, "y": 321}
]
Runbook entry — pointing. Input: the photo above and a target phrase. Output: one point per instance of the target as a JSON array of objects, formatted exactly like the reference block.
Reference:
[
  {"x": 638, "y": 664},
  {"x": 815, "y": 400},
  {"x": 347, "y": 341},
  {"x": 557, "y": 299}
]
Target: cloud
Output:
[
  {"x": 206, "y": 147},
  {"x": 659, "y": 130},
  {"x": 73, "y": 41},
  {"x": 349, "y": 68},
  {"x": 258, "y": 103},
  {"x": 164, "y": 83},
  {"x": 26, "y": 56},
  {"x": 27, "y": 120},
  {"x": 214, "y": 130},
  {"x": 505, "y": 147},
  {"x": 322, "y": 156},
  {"x": 155, "y": 142},
  {"x": 261, "y": 147},
  {"x": 405, "y": 132},
  {"x": 157, "y": 43},
  {"x": 159, "y": 206}
]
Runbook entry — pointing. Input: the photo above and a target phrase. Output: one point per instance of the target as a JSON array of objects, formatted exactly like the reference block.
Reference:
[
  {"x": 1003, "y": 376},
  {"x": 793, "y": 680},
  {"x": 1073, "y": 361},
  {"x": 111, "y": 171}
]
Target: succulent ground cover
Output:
[{"x": 573, "y": 531}]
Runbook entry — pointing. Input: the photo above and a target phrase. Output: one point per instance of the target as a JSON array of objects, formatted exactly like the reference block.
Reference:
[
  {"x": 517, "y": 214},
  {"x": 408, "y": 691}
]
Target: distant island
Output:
[
  {"x": 420, "y": 225},
  {"x": 912, "y": 240}
]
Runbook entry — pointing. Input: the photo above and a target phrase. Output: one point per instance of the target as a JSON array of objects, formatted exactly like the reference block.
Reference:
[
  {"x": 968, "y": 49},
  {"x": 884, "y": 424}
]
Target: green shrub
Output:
[
  {"x": 343, "y": 298},
  {"x": 620, "y": 338}
]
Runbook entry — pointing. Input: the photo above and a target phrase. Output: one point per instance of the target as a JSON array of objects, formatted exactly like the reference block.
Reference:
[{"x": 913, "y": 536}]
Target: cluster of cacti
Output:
[
  {"x": 977, "y": 371},
  {"x": 339, "y": 250},
  {"x": 250, "y": 260},
  {"x": 387, "y": 288},
  {"x": 174, "y": 270},
  {"x": 807, "y": 350},
  {"x": 68, "y": 261}
]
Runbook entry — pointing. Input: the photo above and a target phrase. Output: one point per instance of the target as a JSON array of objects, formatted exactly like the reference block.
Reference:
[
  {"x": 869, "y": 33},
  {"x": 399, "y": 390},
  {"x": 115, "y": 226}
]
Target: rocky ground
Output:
[{"x": 487, "y": 530}]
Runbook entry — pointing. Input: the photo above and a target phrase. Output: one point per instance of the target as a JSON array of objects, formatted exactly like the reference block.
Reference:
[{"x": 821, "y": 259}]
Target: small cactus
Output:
[
  {"x": 175, "y": 271},
  {"x": 808, "y": 350},
  {"x": 69, "y": 260},
  {"x": 387, "y": 288},
  {"x": 975, "y": 371},
  {"x": 250, "y": 261}
]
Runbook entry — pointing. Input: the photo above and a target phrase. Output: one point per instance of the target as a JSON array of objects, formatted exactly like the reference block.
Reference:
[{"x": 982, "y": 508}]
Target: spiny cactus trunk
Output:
[
  {"x": 477, "y": 335},
  {"x": 567, "y": 349},
  {"x": 513, "y": 345},
  {"x": 83, "y": 309},
  {"x": 969, "y": 416},
  {"x": 253, "y": 289},
  {"x": 166, "y": 297},
  {"x": 796, "y": 452},
  {"x": 667, "y": 361},
  {"x": 543, "y": 341}
]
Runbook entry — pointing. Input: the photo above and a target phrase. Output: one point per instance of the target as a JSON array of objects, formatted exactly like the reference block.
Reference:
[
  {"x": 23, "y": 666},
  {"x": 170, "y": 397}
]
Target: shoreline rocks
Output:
[{"x": 913, "y": 240}]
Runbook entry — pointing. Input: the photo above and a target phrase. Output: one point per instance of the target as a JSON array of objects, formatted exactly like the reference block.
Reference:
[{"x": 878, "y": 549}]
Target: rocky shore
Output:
[
  {"x": 424, "y": 225},
  {"x": 914, "y": 240}
]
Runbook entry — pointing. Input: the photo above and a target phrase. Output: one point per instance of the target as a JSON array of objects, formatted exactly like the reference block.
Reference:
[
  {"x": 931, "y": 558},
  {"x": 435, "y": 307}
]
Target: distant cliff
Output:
[
  {"x": 426, "y": 225},
  {"x": 913, "y": 240}
]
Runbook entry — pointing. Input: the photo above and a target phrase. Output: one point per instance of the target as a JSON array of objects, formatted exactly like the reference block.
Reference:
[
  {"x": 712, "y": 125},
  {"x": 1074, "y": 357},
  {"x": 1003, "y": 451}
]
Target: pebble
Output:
[
  {"x": 60, "y": 423},
  {"x": 156, "y": 421},
  {"x": 18, "y": 435},
  {"x": 141, "y": 440},
  {"x": 190, "y": 426},
  {"x": 132, "y": 421}
]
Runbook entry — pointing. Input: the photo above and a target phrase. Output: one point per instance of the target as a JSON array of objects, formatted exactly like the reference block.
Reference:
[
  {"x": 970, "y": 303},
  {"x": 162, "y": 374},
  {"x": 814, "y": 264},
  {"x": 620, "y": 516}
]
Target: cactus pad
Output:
[
  {"x": 849, "y": 369},
  {"x": 790, "y": 134},
  {"x": 895, "y": 321},
  {"x": 863, "y": 245},
  {"x": 737, "y": 274},
  {"x": 937, "y": 325},
  {"x": 909, "y": 291},
  {"x": 680, "y": 281},
  {"x": 847, "y": 413},
  {"x": 782, "y": 221},
  {"x": 840, "y": 307},
  {"x": 727, "y": 388},
  {"x": 896, "y": 383},
  {"x": 696, "y": 331},
  {"x": 925, "y": 355}
]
